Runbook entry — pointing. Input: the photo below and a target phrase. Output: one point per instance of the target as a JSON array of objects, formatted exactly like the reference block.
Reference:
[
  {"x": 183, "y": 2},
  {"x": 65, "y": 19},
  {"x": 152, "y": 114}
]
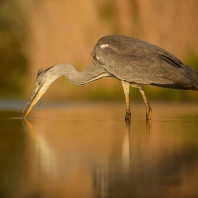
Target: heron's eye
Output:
[{"x": 40, "y": 83}]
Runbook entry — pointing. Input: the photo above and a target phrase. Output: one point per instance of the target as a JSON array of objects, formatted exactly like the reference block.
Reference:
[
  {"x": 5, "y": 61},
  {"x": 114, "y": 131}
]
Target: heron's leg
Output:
[
  {"x": 148, "y": 108},
  {"x": 126, "y": 92}
]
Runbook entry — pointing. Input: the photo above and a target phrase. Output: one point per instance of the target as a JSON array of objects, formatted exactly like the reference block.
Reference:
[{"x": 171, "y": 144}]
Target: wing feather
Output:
[
  {"x": 146, "y": 69},
  {"x": 139, "y": 62}
]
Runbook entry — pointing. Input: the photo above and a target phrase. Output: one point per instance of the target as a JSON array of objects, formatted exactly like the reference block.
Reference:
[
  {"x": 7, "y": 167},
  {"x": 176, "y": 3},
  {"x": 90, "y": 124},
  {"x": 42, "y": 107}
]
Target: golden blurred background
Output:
[{"x": 38, "y": 34}]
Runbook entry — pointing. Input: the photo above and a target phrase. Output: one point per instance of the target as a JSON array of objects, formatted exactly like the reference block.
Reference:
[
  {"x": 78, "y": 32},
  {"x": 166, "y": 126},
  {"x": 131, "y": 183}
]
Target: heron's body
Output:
[
  {"x": 132, "y": 61},
  {"x": 138, "y": 62}
]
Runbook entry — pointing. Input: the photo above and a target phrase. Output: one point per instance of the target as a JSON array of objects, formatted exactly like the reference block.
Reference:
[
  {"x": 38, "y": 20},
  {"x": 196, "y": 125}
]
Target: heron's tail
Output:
[
  {"x": 195, "y": 80},
  {"x": 192, "y": 76}
]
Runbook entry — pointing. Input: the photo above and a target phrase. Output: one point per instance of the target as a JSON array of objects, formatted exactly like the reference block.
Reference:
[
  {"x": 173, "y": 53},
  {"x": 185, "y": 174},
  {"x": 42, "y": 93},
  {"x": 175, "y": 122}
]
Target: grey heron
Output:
[{"x": 132, "y": 61}]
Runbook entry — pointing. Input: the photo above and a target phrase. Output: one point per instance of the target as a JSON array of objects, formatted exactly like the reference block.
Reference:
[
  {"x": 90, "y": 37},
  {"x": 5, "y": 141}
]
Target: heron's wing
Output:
[
  {"x": 124, "y": 45},
  {"x": 150, "y": 68},
  {"x": 133, "y": 60}
]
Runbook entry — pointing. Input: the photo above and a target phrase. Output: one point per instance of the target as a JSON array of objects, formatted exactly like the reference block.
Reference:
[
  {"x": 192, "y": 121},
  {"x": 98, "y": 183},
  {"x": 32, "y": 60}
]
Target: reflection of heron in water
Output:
[
  {"x": 132, "y": 61},
  {"x": 46, "y": 156}
]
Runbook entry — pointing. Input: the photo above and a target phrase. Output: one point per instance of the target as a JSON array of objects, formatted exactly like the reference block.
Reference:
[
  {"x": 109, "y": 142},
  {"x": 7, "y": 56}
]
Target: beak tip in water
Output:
[
  {"x": 25, "y": 113},
  {"x": 23, "y": 117},
  {"x": 32, "y": 101}
]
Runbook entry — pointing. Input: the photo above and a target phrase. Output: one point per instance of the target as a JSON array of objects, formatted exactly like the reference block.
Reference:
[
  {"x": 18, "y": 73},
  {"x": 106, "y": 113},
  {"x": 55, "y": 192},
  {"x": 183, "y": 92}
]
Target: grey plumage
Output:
[
  {"x": 132, "y": 61},
  {"x": 136, "y": 61}
]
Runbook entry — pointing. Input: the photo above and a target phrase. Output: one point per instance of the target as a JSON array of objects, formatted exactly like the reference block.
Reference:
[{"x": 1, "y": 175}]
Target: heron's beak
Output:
[{"x": 32, "y": 101}]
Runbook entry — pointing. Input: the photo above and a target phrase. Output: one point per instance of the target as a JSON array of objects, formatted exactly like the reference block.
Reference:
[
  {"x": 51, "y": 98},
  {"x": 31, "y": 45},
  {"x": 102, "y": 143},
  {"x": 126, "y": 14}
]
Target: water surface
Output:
[{"x": 87, "y": 150}]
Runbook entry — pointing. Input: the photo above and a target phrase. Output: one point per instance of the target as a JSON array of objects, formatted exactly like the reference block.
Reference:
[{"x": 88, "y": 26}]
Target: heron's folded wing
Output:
[{"x": 152, "y": 69}]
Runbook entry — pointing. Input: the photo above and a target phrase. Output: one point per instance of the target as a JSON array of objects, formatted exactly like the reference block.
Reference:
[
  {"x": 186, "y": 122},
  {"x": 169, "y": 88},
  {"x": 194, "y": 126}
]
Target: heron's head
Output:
[{"x": 43, "y": 81}]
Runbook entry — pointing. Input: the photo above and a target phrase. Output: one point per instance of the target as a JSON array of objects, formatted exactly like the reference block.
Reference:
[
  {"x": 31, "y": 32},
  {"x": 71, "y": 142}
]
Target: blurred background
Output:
[{"x": 38, "y": 34}]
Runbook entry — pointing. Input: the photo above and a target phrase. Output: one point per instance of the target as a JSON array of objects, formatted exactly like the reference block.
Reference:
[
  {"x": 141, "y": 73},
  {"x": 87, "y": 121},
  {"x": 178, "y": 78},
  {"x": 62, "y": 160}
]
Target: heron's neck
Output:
[{"x": 91, "y": 73}]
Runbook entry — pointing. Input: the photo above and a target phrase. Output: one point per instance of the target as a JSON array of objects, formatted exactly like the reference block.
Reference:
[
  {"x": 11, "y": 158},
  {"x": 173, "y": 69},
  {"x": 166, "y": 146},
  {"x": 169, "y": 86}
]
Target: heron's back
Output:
[{"x": 136, "y": 61}]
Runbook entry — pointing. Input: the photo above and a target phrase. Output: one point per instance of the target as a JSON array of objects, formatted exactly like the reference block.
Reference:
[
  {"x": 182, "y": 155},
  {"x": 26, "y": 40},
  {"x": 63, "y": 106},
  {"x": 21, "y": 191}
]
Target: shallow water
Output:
[{"x": 87, "y": 150}]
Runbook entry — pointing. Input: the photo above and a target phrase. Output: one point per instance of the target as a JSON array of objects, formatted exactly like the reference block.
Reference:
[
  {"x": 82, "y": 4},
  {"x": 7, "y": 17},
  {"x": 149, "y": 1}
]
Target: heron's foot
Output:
[
  {"x": 148, "y": 113},
  {"x": 128, "y": 116},
  {"x": 148, "y": 126}
]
